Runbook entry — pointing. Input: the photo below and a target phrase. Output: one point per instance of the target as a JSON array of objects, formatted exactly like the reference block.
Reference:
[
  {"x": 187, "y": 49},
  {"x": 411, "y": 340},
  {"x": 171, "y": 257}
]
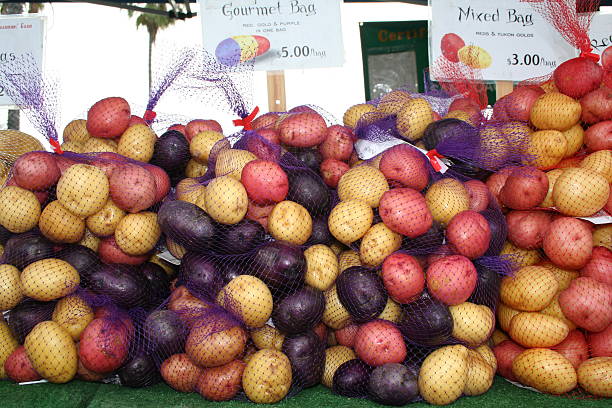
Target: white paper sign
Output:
[
  {"x": 506, "y": 40},
  {"x": 19, "y": 36},
  {"x": 601, "y": 32},
  {"x": 279, "y": 34}
]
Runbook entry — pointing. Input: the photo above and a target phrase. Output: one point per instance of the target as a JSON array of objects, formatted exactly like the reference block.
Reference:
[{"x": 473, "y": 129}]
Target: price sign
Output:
[
  {"x": 278, "y": 35},
  {"x": 19, "y": 36},
  {"x": 505, "y": 40},
  {"x": 601, "y": 32}
]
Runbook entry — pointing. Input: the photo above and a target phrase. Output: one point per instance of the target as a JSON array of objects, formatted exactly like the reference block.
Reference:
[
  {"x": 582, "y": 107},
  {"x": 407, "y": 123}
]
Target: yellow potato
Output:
[
  {"x": 267, "y": 337},
  {"x": 137, "y": 142},
  {"x": 364, "y": 183},
  {"x": 192, "y": 191},
  {"x": 247, "y": 297},
  {"x": 105, "y": 222},
  {"x": 505, "y": 315},
  {"x": 202, "y": 144},
  {"x": 267, "y": 377},
  {"x": 487, "y": 354},
  {"x": 494, "y": 146},
  {"x": 580, "y": 192},
  {"x": 73, "y": 147},
  {"x": 475, "y": 57},
  {"x": 446, "y": 198},
  {"x": 520, "y": 257},
  {"x": 334, "y": 357},
  {"x": 549, "y": 86},
  {"x": 554, "y": 309},
  {"x": 354, "y": 113},
  {"x": 532, "y": 329},
  {"x": 347, "y": 259},
  {"x": 517, "y": 134},
  {"x": 321, "y": 267},
  {"x": 552, "y": 175},
  {"x": 73, "y": 314},
  {"x": 414, "y": 117},
  {"x": 545, "y": 370},
  {"x": 52, "y": 352},
  {"x": 336, "y": 248},
  {"x": 83, "y": 189},
  {"x": 10, "y": 287},
  {"x": 444, "y": 374},
  {"x": 76, "y": 131},
  {"x": 8, "y": 344},
  {"x": 19, "y": 209},
  {"x": 530, "y": 289},
  {"x": 602, "y": 236},
  {"x": 60, "y": 225},
  {"x": 97, "y": 145},
  {"x": 575, "y": 138},
  {"x": 392, "y": 311},
  {"x": 350, "y": 220},
  {"x": 600, "y": 162},
  {"x": 335, "y": 315},
  {"x": 195, "y": 169},
  {"x": 4, "y": 171},
  {"x": 480, "y": 374},
  {"x": 375, "y": 161},
  {"x": 564, "y": 277},
  {"x": 555, "y": 111},
  {"x": 177, "y": 250},
  {"x": 226, "y": 200},
  {"x": 14, "y": 143},
  {"x": 378, "y": 243},
  {"x": 137, "y": 234},
  {"x": 461, "y": 115},
  {"x": 230, "y": 162},
  {"x": 472, "y": 323},
  {"x": 392, "y": 103},
  {"x": 595, "y": 376},
  {"x": 290, "y": 222},
  {"x": 90, "y": 241},
  {"x": 497, "y": 337},
  {"x": 546, "y": 149},
  {"x": 49, "y": 279}
]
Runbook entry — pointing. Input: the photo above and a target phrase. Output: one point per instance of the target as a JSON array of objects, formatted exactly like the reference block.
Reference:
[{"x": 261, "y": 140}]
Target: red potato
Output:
[
  {"x": 347, "y": 335},
  {"x": 496, "y": 181},
  {"x": 63, "y": 162},
  {"x": 306, "y": 129},
  {"x": 265, "y": 182},
  {"x": 570, "y": 162},
  {"x": 263, "y": 148},
  {"x": 302, "y": 108},
  {"x": 520, "y": 101},
  {"x": 499, "y": 109},
  {"x": 332, "y": 170},
  {"x": 108, "y": 162},
  {"x": 137, "y": 120},
  {"x": 607, "y": 79},
  {"x": 588, "y": 304},
  {"x": 259, "y": 213},
  {"x": 601, "y": 343},
  {"x": 599, "y": 267},
  {"x": 479, "y": 195},
  {"x": 36, "y": 171},
  {"x": 451, "y": 279},
  {"x": 321, "y": 331},
  {"x": 109, "y": 252},
  {"x": 597, "y": 106},
  {"x": 403, "y": 277},
  {"x": 404, "y": 166},
  {"x": 200, "y": 125},
  {"x": 606, "y": 59},
  {"x": 338, "y": 143},
  {"x": 568, "y": 243},
  {"x": 268, "y": 120},
  {"x": 450, "y": 45},
  {"x": 574, "y": 348},
  {"x": 464, "y": 104},
  {"x": 525, "y": 188},
  {"x": 108, "y": 118},
  {"x": 405, "y": 211},
  {"x": 114, "y": 313},
  {"x": 162, "y": 182},
  {"x": 270, "y": 134},
  {"x": 181, "y": 373},
  {"x": 526, "y": 229},
  {"x": 599, "y": 136},
  {"x": 179, "y": 128},
  {"x": 189, "y": 308},
  {"x": 505, "y": 353},
  {"x": 18, "y": 367},
  {"x": 104, "y": 345},
  {"x": 379, "y": 342},
  {"x": 578, "y": 76},
  {"x": 132, "y": 188},
  {"x": 442, "y": 252},
  {"x": 221, "y": 383},
  {"x": 85, "y": 374},
  {"x": 469, "y": 232}
]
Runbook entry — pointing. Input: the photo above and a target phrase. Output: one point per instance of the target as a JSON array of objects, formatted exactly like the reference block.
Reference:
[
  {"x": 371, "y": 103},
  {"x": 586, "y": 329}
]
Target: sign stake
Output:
[
  {"x": 503, "y": 88},
  {"x": 276, "y": 91}
]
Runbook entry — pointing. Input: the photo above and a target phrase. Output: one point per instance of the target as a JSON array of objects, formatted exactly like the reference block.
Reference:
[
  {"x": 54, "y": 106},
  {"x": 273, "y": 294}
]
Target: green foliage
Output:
[{"x": 152, "y": 22}]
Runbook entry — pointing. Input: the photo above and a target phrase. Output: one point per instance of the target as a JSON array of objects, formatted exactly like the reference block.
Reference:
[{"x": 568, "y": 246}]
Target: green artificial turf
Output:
[{"x": 80, "y": 394}]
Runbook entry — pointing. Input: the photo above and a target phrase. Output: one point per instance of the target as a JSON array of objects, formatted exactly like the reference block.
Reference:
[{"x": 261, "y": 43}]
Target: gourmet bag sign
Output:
[
  {"x": 504, "y": 40},
  {"x": 19, "y": 36},
  {"x": 276, "y": 34}
]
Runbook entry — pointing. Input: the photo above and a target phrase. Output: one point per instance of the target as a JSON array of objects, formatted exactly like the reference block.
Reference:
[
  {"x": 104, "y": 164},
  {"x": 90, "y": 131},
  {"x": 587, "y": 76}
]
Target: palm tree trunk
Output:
[
  {"x": 151, "y": 40},
  {"x": 13, "y": 119},
  {"x": 12, "y": 8}
]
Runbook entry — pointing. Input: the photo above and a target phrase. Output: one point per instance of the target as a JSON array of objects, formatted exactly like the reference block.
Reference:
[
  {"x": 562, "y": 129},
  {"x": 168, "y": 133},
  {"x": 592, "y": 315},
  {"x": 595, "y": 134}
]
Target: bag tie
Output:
[{"x": 246, "y": 122}]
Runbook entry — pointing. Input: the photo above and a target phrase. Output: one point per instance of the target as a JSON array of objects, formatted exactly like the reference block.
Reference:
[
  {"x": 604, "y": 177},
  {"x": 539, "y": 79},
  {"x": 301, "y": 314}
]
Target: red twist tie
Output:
[
  {"x": 590, "y": 55},
  {"x": 246, "y": 123},
  {"x": 433, "y": 155},
  {"x": 56, "y": 146},
  {"x": 149, "y": 116}
]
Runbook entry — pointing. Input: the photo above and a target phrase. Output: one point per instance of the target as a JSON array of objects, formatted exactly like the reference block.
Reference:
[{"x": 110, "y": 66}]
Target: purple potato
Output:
[
  {"x": 487, "y": 289},
  {"x": 159, "y": 282},
  {"x": 24, "y": 249},
  {"x": 166, "y": 333},
  {"x": 280, "y": 265},
  {"x": 123, "y": 284},
  {"x": 362, "y": 293},
  {"x": 427, "y": 321},
  {"x": 451, "y": 128},
  {"x": 393, "y": 384},
  {"x": 300, "y": 311},
  {"x": 187, "y": 224},
  {"x": 240, "y": 238},
  {"x": 4, "y": 235},
  {"x": 308, "y": 157},
  {"x": 499, "y": 230},
  {"x": 351, "y": 379},
  {"x": 200, "y": 274},
  {"x": 171, "y": 152},
  {"x": 306, "y": 353},
  {"x": 426, "y": 243},
  {"x": 320, "y": 232},
  {"x": 83, "y": 259},
  {"x": 139, "y": 372},
  {"x": 23, "y": 317},
  {"x": 308, "y": 189}
]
